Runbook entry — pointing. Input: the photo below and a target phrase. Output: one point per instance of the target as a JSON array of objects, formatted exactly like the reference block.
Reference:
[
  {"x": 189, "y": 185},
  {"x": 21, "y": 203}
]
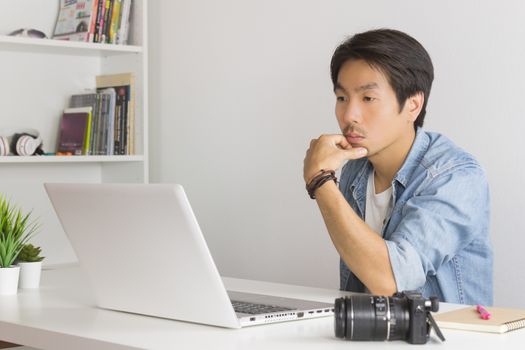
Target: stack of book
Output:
[
  {"x": 110, "y": 127},
  {"x": 97, "y": 21}
]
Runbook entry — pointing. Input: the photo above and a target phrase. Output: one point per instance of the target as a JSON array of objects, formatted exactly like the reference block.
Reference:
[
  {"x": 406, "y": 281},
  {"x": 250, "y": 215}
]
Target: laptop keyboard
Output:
[{"x": 253, "y": 308}]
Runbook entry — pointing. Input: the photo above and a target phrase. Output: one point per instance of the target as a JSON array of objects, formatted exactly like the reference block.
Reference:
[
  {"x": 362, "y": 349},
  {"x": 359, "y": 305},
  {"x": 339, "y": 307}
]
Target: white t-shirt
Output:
[{"x": 378, "y": 206}]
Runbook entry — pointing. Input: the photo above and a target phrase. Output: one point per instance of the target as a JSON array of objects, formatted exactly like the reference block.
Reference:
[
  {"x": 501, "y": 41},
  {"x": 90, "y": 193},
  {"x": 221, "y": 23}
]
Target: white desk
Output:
[{"x": 61, "y": 315}]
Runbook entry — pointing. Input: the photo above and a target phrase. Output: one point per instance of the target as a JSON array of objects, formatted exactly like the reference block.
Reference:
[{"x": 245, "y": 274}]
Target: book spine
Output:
[
  {"x": 115, "y": 18},
  {"x": 92, "y": 25},
  {"x": 124, "y": 122},
  {"x": 130, "y": 127},
  {"x": 121, "y": 100},
  {"x": 100, "y": 125},
  {"x": 132, "y": 115},
  {"x": 107, "y": 18},
  {"x": 117, "y": 131},
  {"x": 95, "y": 123},
  {"x": 124, "y": 23},
  {"x": 111, "y": 120},
  {"x": 104, "y": 126},
  {"x": 85, "y": 148},
  {"x": 98, "y": 23},
  {"x": 118, "y": 115},
  {"x": 94, "y": 119},
  {"x": 129, "y": 130}
]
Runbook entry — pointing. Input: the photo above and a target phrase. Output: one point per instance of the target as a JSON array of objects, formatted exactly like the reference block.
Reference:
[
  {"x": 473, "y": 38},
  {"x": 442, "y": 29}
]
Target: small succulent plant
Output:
[
  {"x": 15, "y": 230},
  {"x": 30, "y": 253}
]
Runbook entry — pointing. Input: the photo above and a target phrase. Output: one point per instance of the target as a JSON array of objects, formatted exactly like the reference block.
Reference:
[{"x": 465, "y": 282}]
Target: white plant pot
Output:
[
  {"x": 29, "y": 274},
  {"x": 9, "y": 280}
]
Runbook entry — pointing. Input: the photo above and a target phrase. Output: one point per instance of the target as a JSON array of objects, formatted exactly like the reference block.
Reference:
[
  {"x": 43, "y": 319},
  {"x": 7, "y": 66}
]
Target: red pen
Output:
[{"x": 483, "y": 313}]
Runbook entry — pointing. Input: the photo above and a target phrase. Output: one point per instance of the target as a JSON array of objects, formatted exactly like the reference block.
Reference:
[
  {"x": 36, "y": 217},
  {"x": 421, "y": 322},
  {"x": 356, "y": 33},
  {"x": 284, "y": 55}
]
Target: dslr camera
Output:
[{"x": 403, "y": 316}]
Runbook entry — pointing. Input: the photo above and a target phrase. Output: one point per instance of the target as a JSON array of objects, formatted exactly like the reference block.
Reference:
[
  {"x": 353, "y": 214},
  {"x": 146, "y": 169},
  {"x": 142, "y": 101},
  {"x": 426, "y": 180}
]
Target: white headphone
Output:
[
  {"x": 26, "y": 144},
  {"x": 21, "y": 144},
  {"x": 4, "y": 146}
]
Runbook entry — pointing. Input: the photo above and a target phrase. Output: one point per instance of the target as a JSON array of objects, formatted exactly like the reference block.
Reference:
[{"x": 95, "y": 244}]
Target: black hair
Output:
[{"x": 401, "y": 58}]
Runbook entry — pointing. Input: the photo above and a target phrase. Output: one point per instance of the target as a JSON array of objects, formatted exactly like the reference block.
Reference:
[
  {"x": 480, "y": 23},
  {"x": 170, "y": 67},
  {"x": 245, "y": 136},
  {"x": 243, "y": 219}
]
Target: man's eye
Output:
[
  {"x": 341, "y": 98},
  {"x": 368, "y": 99}
]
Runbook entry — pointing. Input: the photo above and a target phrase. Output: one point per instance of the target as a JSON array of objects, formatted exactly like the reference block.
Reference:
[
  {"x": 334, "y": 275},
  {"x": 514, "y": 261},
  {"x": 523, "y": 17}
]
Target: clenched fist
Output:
[{"x": 328, "y": 152}]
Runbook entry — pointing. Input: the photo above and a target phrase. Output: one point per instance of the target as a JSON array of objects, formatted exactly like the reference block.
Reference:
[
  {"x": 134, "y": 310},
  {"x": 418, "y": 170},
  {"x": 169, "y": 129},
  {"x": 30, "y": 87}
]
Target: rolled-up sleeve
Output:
[{"x": 449, "y": 211}]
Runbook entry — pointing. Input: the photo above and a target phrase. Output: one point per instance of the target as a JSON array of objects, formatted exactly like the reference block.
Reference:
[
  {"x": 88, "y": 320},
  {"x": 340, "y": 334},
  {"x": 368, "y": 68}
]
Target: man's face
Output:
[{"x": 367, "y": 109}]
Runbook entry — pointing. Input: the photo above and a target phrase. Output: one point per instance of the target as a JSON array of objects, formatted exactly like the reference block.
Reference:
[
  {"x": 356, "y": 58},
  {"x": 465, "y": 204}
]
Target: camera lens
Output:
[
  {"x": 368, "y": 317},
  {"x": 340, "y": 318}
]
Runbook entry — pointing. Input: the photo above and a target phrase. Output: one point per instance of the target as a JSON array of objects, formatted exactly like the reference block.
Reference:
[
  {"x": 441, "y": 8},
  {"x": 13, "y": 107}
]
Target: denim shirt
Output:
[{"x": 437, "y": 235}]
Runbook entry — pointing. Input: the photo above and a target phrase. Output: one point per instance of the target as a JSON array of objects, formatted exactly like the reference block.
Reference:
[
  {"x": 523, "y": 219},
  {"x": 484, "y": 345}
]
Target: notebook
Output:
[{"x": 502, "y": 320}]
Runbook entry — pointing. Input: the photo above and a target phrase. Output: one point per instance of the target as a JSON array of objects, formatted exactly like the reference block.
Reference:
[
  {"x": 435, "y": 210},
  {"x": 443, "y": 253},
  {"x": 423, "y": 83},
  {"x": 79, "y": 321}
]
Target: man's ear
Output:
[{"x": 414, "y": 105}]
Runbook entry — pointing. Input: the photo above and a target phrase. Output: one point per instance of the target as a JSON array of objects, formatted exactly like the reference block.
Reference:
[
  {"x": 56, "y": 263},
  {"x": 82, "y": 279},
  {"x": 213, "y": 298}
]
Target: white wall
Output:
[{"x": 238, "y": 88}]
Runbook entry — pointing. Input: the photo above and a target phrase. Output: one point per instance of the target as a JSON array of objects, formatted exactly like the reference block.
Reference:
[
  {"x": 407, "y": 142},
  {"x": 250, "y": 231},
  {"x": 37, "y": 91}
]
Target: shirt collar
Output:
[{"x": 414, "y": 157}]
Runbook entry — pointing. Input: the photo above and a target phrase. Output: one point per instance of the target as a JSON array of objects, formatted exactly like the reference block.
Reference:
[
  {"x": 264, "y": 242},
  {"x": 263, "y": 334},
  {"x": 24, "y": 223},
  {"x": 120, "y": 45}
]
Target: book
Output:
[
  {"x": 124, "y": 127},
  {"x": 74, "y": 131},
  {"x": 101, "y": 146},
  {"x": 92, "y": 26},
  {"x": 123, "y": 93},
  {"x": 107, "y": 20},
  {"x": 88, "y": 100},
  {"x": 115, "y": 21},
  {"x": 125, "y": 14},
  {"x": 74, "y": 20},
  {"x": 120, "y": 115},
  {"x": 109, "y": 121},
  {"x": 502, "y": 319},
  {"x": 100, "y": 14}
]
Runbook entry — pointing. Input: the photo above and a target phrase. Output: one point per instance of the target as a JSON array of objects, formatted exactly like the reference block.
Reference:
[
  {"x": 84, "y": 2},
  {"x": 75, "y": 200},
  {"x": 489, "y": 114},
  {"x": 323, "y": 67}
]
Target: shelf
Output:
[
  {"x": 70, "y": 159},
  {"x": 50, "y": 46}
]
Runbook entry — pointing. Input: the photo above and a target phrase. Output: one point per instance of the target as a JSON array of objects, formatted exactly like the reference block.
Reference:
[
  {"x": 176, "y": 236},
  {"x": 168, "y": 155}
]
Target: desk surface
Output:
[{"x": 61, "y": 315}]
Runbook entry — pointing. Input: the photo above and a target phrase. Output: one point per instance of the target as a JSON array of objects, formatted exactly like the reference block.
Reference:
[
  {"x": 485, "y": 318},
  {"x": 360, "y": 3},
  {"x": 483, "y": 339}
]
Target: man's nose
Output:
[{"x": 352, "y": 113}]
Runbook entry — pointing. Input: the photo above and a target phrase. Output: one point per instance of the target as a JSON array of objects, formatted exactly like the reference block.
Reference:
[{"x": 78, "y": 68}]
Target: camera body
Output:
[
  {"x": 403, "y": 316},
  {"x": 419, "y": 328}
]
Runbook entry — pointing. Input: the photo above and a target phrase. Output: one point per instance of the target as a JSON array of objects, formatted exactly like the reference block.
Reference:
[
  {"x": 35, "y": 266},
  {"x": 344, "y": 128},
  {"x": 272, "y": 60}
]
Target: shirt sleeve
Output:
[{"x": 449, "y": 211}]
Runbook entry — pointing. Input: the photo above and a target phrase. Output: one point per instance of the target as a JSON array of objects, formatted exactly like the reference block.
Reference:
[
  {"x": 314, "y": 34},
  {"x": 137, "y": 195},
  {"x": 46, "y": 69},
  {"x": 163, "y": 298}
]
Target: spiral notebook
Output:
[{"x": 502, "y": 320}]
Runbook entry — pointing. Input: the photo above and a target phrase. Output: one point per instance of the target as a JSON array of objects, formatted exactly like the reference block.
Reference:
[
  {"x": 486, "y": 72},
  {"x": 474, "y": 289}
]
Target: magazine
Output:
[{"x": 75, "y": 20}]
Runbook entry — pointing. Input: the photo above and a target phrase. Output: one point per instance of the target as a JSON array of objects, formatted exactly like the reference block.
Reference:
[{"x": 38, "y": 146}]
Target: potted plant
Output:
[
  {"x": 15, "y": 231},
  {"x": 30, "y": 263}
]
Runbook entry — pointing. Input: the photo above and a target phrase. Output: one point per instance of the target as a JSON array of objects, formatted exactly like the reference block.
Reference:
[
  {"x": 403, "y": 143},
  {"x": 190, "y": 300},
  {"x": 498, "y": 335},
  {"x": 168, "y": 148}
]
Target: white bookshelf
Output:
[
  {"x": 58, "y": 47},
  {"x": 37, "y": 78},
  {"x": 71, "y": 159}
]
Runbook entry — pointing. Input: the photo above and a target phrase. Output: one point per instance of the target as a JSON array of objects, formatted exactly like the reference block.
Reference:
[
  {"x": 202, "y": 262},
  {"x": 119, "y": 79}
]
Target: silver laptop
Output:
[{"x": 144, "y": 253}]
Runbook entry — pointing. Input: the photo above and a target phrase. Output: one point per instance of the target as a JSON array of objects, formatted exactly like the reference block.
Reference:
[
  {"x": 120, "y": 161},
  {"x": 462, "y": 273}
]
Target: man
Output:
[{"x": 412, "y": 209}]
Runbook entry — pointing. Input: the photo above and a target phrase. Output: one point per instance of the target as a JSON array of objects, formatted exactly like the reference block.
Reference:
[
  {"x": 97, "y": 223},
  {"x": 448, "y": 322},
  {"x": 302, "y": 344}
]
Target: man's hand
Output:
[{"x": 329, "y": 152}]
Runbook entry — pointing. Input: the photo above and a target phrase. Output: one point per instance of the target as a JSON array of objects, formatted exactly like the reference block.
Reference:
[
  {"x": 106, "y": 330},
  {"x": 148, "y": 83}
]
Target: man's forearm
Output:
[{"x": 363, "y": 250}]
